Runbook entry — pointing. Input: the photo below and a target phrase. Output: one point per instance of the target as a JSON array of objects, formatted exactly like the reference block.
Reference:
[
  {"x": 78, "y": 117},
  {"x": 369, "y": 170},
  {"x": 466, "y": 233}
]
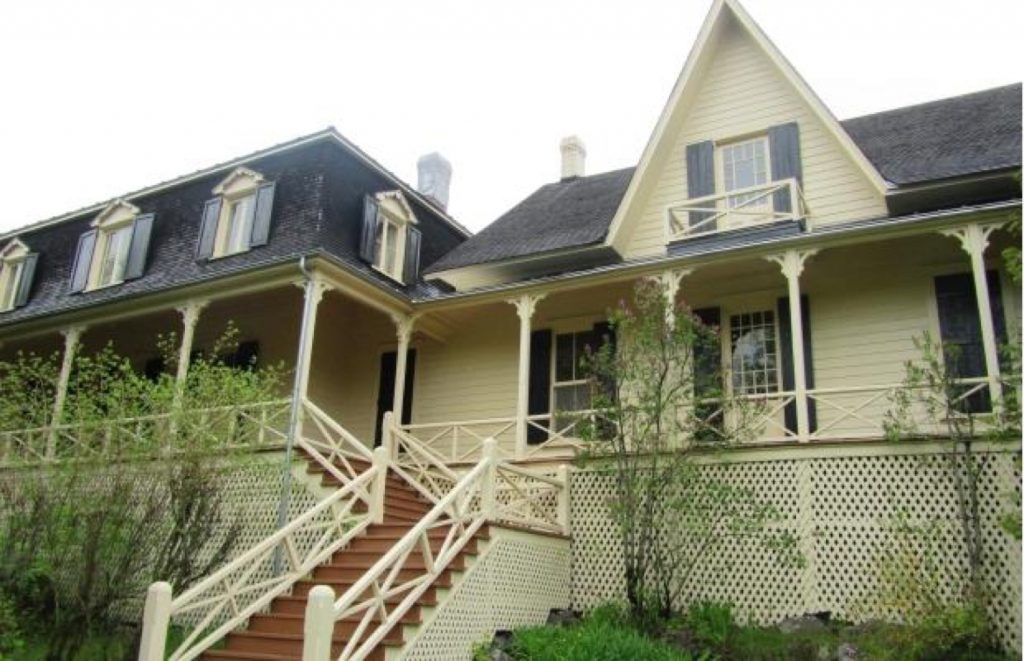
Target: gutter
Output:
[{"x": 885, "y": 225}]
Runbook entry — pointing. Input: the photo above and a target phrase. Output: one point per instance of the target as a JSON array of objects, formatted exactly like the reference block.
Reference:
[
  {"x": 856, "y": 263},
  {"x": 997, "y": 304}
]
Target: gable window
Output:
[
  {"x": 390, "y": 239},
  {"x": 114, "y": 250},
  {"x": 238, "y": 218},
  {"x": 17, "y": 269},
  {"x": 745, "y": 165},
  {"x": 753, "y": 353}
]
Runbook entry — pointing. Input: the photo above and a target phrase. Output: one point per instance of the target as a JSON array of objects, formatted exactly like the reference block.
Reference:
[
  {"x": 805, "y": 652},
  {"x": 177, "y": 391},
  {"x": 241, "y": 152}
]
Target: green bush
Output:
[
  {"x": 709, "y": 622},
  {"x": 603, "y": 635},
  {"x": 10, "y": 630}
]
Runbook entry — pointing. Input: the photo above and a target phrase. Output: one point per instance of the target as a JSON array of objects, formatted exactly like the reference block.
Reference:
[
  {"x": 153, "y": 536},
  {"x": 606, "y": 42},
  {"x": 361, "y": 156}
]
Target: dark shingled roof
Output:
[
  {"x": 567, "y": 214},
  {"x": 952, "y": 137}
]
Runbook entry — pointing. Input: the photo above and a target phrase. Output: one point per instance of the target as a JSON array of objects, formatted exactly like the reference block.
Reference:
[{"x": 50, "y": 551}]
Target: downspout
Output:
[{"x": 293, "y": 414}]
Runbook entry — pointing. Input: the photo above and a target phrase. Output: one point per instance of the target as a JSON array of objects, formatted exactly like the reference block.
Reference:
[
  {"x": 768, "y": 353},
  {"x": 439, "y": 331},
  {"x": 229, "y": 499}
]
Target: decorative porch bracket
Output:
[
  {"x": 670, "y": 280},
  {"x": 525, "y": 307},
  {"x": 792, "y": 264},
  {"x": 974, "y": 240}
]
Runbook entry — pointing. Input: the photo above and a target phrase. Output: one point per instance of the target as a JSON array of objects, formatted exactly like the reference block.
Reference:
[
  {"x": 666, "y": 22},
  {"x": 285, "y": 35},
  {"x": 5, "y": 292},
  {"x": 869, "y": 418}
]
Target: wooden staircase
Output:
[{"x": 278, "y": 634}]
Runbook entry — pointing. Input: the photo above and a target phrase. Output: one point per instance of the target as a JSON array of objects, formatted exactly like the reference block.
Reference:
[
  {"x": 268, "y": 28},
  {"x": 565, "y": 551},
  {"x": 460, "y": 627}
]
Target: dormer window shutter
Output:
[
  {"x": 700, "y": 180},
  {"x": 139, "y": 248},
  {"x": 784, "y": 147},
  {"x": 208, "y": 228},
  {"x": 83, "y": 261},
  {"x": 413, "y": 238},
  {"x": 261, "y": 217},
  {"x": 28, "y": 272},
  {"x": 370, "y": 219}
]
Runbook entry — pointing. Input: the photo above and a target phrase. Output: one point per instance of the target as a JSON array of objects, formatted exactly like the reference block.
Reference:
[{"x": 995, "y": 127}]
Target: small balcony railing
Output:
[{"x": 743, "y": 207}]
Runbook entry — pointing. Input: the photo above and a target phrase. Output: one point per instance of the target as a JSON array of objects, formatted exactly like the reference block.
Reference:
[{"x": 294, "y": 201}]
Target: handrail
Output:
[
  {"x": 758, "y": 207},
  {"x": 463, "y": 510},
  {"x": 330, "y": 524}
]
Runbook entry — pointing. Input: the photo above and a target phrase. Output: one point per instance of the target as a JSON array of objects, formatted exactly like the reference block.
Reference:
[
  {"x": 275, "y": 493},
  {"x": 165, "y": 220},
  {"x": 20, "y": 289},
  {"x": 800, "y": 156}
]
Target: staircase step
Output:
[
  {"x": 291, "y": 643},
  {"x": 412, "y": 568},
  {"x": 381, "y": 546},
  {"x": 387, "y": 530},
  {"x": 235, "y": 655},
  {"x": 340, "y": 585},
  {"x": 292, "y": 623}
]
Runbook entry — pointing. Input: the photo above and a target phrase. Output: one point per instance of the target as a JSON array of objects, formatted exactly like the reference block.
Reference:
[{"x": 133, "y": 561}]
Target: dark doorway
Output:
[{"x": 386, "y": 390}]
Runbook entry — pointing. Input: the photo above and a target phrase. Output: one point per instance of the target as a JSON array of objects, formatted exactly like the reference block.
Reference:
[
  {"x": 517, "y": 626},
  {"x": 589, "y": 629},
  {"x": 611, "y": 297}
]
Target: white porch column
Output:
[
  {"x": 974, "y": 240},
  {"x": 792, "y": 264},
  {"x": 403, "y": 329},
  {"x": 525, "y": 306},
  {"x": 670, "y": 281},
  {"x": 72, "y": 336},
  {"x": 189, "y": 318}
]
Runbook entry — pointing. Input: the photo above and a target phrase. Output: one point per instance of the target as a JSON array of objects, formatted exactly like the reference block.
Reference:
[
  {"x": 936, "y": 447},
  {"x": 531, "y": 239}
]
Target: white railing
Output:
[
  {"x": 743, "y": 207},
  {"x": 492, "y": 490},
  {"x": 755, "y": 417},
  {"x": 256, "y": 425},
  {"x": 225, "y": 600}
]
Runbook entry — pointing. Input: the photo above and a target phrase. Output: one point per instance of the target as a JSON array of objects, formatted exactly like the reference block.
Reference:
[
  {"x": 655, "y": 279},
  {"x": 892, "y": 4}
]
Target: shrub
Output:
[{"x": 709, "y": 622}]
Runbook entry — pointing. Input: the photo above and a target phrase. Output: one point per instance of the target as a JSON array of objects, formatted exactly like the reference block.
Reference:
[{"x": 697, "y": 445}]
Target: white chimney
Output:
[
  {"x": 574, "y": 157},
  {"x": 435, "y": 176}
]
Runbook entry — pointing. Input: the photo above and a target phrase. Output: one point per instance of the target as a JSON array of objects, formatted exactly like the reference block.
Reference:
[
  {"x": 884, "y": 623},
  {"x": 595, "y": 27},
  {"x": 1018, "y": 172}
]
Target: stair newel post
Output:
[
  {"x": 381, "y": 460},
  {"x": 489, "y": 485},
  {"x": 319, "y": 624},
  {"x": 387, "y": 435},
  {"x": 156, "y": 618},
  {"x": 563, "y": 499}
]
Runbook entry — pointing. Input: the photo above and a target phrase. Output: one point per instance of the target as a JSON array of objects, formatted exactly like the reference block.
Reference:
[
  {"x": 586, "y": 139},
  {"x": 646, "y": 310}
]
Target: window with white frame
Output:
[
  {"x": 238, "y": 217},
  {"x": 744, "y": 165},
  {"x": 754, "y": 353},
  {"x": 570, "y": 389},
  {"x": 16, "y": 266},
  {"x": 387, "y": 246},
  {"x": 114, "y": 243}
]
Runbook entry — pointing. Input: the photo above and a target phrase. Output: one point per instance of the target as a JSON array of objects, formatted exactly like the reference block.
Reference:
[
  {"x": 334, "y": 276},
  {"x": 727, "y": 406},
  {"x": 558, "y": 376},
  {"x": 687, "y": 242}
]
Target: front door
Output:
[{"x": 386, "y": 389}]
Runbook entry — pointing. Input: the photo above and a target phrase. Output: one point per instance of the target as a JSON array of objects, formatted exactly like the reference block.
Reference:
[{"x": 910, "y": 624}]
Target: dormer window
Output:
[
  {"x": 390, "y": 241},
  {"x": 114, "y": 250},
  {"x": 238, "y": 218},
  {"x": 17, "y": 270}
]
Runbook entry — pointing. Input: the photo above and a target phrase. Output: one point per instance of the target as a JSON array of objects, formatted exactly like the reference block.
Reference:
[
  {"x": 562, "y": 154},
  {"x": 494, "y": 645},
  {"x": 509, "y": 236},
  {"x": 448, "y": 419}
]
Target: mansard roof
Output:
[{"x": 954, "y": 137}]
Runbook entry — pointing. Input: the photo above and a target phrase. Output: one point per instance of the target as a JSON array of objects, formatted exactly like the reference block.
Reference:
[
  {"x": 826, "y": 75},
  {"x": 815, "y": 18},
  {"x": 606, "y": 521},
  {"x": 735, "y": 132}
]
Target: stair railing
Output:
[
  {"x": 380, "y": 598},
  {"x": 225, "y": 599}
]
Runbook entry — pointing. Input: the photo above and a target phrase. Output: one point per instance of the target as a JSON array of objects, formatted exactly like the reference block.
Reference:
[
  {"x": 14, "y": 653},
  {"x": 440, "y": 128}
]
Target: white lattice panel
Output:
[
  {"x": 514, "y": 582},
  {"x": 840, "y": 509}
]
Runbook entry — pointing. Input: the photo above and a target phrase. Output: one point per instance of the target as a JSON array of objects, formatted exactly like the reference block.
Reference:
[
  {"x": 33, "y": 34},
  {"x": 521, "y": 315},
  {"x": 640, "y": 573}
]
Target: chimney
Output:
[
  {"x": 574, "y": 156},
  {"x": 434, "y": 177}
]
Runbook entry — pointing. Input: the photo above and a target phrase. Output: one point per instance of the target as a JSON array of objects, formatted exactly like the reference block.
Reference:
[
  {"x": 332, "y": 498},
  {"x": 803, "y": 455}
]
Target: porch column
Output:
[
  {"x": 189, "y": 318},
  {"x": 72, "y": 336},
  {"x": 525, "y": 306},
  {"x": 792, "y": 264},
  {"x": 670, "y": 281},
  {"x": 403, "y": 330},
  {"x": 974, "y": 240}
]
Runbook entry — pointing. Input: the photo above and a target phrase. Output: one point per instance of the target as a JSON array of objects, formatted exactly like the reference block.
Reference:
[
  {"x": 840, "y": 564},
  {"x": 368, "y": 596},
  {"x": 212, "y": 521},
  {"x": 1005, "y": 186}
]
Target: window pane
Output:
[
  {"x": 390, "y": 248},
  {"x": 240, "y": 223},
  {"x": 10, "y": 274},
  {"x": 745, "y": 164},
  {"x": 115, "y": 256},
  {"x": 564, "y": 357},
  {"x": 585, "y": 340},
  {"x": 754, "y": 359}
]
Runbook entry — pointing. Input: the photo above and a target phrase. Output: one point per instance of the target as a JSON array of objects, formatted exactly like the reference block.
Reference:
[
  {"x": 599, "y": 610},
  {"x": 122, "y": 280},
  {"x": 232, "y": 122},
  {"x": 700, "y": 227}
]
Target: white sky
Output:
[{"x": 100, "y": 98}]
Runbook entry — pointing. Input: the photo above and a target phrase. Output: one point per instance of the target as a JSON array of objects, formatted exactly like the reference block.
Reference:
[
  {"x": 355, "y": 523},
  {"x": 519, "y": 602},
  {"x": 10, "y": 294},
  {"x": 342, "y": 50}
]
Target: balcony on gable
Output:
[{"x": 755, "y": 206}]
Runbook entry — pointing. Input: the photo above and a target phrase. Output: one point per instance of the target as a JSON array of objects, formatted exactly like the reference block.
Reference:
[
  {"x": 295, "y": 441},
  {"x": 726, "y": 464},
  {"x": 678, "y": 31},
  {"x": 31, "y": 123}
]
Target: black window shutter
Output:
[
  {"x": 784, "y": 148},
  {"x": 960, "y": 329},
  {"x": 700, "y": 180},
  {"x": 786, "y": 350},
  {"x": 28, "y": 272},
  {"x": 369, "y": 229},
  {"x": 262, "y": 215},
  {"x": 707, "y": 375},
  {"x": 410, "y": 379},
  {"x": 139, "y": 248},
  {"x": 413, "y": 238},
  {"x": 208, "y": 228},
  {"x": 83, "y": 261},
  {"x": 539, "y": 398}
]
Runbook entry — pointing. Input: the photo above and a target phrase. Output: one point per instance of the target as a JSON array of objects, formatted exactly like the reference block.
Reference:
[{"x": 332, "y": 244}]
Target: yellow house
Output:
[{"x": 820, "y": 247}]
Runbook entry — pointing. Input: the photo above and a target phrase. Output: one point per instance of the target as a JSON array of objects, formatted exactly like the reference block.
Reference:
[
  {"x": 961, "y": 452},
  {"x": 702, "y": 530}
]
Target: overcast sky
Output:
[{"x": 101, "y": 98}]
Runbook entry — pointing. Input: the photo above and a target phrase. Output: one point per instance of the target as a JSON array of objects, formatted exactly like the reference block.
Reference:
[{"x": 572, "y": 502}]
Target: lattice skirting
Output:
[
  {"x": 840, "y": 504},
  {"x": 517, "y": 579}
]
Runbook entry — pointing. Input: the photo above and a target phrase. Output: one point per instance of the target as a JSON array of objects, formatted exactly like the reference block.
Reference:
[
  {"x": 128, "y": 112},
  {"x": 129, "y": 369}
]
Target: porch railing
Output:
[
  {"x": 744, "y": 207},
  {"x": 255, "y": 425}
]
